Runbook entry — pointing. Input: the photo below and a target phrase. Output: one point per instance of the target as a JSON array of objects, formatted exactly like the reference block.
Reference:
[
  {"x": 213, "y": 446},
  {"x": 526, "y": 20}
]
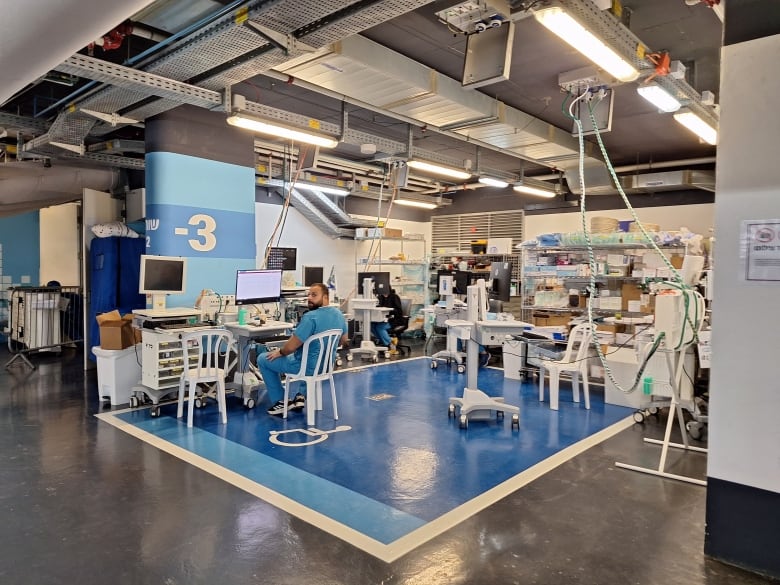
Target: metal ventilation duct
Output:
[
  {"x": 361, "y": 69},
  {"x": 599, "y": 182}
]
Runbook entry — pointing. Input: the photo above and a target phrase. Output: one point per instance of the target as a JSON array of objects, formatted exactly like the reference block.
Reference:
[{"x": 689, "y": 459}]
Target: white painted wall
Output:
[
  {"x": 744, "y": 435},
  {"x": 317, "y": 249},
  {"x": 697, "y": 218},
  {"x": 60, "y": 244}
]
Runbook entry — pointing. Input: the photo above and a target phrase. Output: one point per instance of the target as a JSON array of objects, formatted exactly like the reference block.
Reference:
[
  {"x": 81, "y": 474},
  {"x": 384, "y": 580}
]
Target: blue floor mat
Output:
[{"x": 403, "y": 463}]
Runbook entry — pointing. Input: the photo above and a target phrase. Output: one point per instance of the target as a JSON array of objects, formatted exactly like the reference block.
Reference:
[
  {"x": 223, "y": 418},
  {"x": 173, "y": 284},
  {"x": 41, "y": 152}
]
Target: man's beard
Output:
[{"x": 312, "y": 306}]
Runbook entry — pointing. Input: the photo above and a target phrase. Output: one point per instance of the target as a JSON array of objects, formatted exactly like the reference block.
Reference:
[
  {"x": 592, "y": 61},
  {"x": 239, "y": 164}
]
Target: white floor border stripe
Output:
[
  {"x": 345, "y": 533},
  {"x": 387, "y": 553},
  {"x": 443, "y": 523}
]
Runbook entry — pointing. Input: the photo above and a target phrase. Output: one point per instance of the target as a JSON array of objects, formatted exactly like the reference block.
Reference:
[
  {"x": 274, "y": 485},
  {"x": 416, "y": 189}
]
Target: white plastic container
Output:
[
  {"x": 514, "y": 355},
  {"x": 118, "y": 371}
]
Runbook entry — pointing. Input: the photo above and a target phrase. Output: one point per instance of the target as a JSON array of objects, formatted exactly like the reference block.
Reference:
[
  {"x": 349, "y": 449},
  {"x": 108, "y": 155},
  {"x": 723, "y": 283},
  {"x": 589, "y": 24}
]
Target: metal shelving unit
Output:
[
  {"x": 548, "y": 270},
  {"x": 404, "y": 257}
]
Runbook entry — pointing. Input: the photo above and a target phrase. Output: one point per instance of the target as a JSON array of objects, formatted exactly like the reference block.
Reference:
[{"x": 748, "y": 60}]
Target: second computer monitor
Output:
[
  {"x": 461, "y": 279},
  {"x": 313, "y": 275},
  {"x": 500, "y": 281},
  {"x": 258, "y": 286},
  {"x": 381, "y": 282}
]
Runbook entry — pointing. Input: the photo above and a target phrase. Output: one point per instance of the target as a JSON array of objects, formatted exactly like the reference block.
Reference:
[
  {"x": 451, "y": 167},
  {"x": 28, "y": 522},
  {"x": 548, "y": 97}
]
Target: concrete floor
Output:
[{"x": 81, "y": 502}]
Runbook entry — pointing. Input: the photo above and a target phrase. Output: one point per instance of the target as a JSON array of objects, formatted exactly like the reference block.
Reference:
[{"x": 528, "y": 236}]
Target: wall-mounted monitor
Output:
[
  {"x": 500, "y": 281},
  {"x": 282, "y": 259},
  {"x": 258, "y": 286},
  {"x": 381, "y": 282},
  {"x": 313, "y": 275},
  {"x": 162, "y": 275}
]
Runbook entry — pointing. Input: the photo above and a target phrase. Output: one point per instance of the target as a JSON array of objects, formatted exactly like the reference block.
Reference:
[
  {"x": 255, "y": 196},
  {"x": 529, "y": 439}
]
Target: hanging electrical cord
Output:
[
  {"x": 282, "y": 218},
  {"x": 592, "y": 262},
  {"x": 373, "y": 251},
  {"x": 677, "y": 281}
]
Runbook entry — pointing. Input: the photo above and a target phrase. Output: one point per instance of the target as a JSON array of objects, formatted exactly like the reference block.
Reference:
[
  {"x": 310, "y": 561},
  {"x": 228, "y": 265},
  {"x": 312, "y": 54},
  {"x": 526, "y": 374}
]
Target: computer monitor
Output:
[
  {"x": 313, "y": 275},
  {"x": 160, "y": 276},
  {"x": 282, "y": 259},
  {"x": 500, "y": 281},
  {"x": 258, "y": 286},
  {"x": 461, "y": 279},
  {"x": 381, "y": 282}
]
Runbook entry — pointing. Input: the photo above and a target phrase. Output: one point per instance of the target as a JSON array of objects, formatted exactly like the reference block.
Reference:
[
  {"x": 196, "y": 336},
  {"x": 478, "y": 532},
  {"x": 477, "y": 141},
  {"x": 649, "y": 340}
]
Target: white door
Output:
[{"x": 97, "y": 207}]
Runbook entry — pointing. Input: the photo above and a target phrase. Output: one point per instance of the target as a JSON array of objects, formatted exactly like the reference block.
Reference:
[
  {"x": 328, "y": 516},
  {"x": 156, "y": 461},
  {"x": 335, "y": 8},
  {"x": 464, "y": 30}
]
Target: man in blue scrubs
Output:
[{"x": 320, "y": 317}]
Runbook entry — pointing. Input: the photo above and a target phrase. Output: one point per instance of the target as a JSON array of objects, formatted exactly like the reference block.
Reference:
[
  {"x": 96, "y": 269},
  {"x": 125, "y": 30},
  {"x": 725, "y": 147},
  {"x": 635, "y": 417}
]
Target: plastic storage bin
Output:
[{"x": 118, "y": 371}]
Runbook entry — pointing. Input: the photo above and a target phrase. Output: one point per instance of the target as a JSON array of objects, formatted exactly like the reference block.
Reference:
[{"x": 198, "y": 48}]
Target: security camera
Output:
[{"x": 480, "y": 27}]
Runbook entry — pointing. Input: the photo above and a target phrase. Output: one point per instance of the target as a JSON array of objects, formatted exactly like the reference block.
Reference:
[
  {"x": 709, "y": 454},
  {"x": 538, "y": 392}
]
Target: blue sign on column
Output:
[{"x": 178, "y": 230}]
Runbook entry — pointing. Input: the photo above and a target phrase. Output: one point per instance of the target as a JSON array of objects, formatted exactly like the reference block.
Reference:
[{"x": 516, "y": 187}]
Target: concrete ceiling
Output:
[{"x": 639, "y": 134}]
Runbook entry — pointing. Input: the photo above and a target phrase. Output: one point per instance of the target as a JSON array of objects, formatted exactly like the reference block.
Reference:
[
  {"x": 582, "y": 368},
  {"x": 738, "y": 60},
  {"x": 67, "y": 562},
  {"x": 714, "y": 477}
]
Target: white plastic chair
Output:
[
  {"x": 575, "y": 365},
  {"x": 214, "y": 348},
  {"x": 323, "y": 370}
]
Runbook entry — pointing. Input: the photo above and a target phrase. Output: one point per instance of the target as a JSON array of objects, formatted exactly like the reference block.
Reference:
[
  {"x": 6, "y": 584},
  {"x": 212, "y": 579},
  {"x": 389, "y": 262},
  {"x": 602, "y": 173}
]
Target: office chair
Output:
[
  {"x": 575, "y": 365},
  {"x": 203, "y": 350},
  {"x": 403, "y": 325},
  {"x": 328, "y": 342}
]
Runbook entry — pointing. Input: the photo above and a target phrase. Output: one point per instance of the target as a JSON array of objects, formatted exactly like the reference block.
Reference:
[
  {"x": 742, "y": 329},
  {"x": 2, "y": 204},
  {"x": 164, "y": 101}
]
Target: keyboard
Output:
[{"x": 197, "y": 325}]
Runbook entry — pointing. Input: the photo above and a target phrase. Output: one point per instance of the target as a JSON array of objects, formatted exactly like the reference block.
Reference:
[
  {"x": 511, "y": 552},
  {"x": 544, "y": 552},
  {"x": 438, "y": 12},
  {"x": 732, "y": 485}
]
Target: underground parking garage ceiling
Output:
[{"x": 406, "y": 64}]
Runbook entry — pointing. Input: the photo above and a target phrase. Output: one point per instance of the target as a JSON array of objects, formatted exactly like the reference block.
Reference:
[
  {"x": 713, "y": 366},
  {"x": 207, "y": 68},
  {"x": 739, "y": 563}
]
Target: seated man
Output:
[
  {"x": 319, "y": 318},
  {"x": 380, "y": 329}
]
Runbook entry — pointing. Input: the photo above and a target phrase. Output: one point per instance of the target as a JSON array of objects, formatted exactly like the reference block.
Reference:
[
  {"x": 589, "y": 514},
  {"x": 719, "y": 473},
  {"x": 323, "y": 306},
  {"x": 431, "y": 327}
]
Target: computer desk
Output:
[{"x": 245, "y": 334}]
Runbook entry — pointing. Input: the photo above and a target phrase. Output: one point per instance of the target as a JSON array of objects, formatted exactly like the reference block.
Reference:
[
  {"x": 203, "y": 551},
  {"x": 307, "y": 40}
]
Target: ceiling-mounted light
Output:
[
  {"x": 535, "y": 187},
  {"x": 415, "y": 203},
  {"x": 273, "y": 128},
  {"x": 568, "y": 29},
  {"x": 696, "y": 125},
  {"x": 490, "y": 181},
  {"x": 659, "y": 97},
  {"x": 437, "y": 169},
  {"x": 322, "y": 189}
]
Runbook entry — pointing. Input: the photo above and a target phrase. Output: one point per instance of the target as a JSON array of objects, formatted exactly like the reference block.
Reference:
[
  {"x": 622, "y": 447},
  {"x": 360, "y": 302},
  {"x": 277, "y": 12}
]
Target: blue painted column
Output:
[{"x": 200, "y": 197}]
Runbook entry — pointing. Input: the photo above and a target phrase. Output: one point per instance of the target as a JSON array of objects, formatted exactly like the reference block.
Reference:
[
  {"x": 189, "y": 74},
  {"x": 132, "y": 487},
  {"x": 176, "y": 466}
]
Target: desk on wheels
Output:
[
  {"x": 245, "y": 334},
  {"x": 367, "y": 312},
  {"x": 474, "y": 400}
]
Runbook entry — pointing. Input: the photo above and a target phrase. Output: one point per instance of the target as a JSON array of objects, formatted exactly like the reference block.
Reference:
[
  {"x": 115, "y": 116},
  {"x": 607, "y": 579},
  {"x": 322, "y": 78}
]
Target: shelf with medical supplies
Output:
[
  {"x": 555, "y": 280},
  {"x": 404, "y": 260}
]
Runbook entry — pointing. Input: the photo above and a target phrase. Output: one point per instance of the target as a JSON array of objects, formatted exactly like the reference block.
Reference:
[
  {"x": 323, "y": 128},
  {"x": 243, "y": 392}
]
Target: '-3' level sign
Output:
[{"x": 761, "y": 246}]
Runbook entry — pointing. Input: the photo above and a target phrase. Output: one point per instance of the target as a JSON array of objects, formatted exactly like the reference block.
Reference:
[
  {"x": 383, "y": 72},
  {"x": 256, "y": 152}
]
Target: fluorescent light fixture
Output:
[
  {"x": 427, "y": 167},
  {"x": 281, "y": 131},
  {"x": 535, "y": 187},
  {"x": 493, "y": 182},
  {"x": 659, "y": 97},
  {"x": 321, "y": 188},
  {"x": 564, "y": 26},
  {"x": 416, "y": 203},
  {"x": 696, "y": 125}
]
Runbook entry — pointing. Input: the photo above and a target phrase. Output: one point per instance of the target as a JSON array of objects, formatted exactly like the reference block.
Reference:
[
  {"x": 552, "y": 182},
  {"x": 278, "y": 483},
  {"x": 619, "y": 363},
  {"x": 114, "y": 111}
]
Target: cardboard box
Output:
[
  {"x": 116, "y": 331},
  {"x": 544, "y": 319},
  {"x": 629, "y": 292},
  {"x": 382, "y": 232},
  {"x": 499, "y": 246}
]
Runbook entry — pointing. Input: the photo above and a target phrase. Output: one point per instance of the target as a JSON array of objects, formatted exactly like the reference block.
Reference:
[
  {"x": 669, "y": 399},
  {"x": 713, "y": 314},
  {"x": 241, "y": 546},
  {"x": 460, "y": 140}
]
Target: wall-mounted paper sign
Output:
[{"x": 761, "y": 250}]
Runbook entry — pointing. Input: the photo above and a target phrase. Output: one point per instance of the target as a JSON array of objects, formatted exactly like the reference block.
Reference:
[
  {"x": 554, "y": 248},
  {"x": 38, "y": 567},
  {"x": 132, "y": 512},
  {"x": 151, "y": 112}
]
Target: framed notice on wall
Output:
[{"x": 761, "y": 250}]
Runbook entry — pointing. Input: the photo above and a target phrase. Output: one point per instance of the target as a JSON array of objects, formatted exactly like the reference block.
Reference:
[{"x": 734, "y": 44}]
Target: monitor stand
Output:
[{"x": 158, "y": 302}]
